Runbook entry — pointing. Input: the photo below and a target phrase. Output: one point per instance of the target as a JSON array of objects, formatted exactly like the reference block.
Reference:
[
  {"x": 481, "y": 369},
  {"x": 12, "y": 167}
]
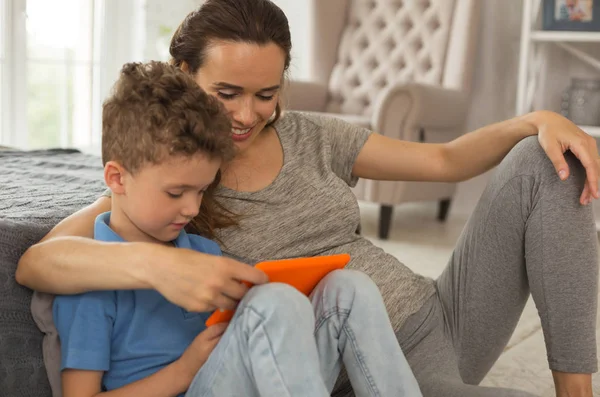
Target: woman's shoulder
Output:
[
  {"x": 303, "y": 125},
  {"x": 291, "y": 119}
]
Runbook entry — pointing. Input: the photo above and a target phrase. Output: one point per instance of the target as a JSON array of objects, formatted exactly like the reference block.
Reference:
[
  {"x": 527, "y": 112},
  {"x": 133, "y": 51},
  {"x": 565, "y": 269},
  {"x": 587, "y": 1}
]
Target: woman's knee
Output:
[{"x": 528, "y": 155}]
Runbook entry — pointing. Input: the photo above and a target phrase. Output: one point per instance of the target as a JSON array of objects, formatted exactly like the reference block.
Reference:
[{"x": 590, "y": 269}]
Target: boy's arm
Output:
[
  {"x": 168, "y": 382},
  {"x": 172, "y": 380}
]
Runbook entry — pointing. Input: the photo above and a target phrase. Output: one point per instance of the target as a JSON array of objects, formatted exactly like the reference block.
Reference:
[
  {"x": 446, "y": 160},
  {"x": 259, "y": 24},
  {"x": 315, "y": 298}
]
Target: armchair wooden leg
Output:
[
  {"x": 385, "y": 220},
  {"x": 444, "y": 206}
]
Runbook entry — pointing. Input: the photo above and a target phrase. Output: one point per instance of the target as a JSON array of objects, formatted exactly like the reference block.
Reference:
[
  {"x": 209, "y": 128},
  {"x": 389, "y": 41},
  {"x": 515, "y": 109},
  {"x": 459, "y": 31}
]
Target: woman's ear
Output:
[
  {"x": 114, "y": 174},
  {"x": 185, "y": 67}
]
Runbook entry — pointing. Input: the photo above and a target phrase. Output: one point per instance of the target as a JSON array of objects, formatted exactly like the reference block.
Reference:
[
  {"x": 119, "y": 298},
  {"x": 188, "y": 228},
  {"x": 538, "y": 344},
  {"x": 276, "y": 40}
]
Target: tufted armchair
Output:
[{"x": 398, "y": 67}]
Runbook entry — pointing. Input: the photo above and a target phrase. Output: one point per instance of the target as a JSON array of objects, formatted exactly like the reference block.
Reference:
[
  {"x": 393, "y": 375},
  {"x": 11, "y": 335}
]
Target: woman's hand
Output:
[
  {"x": 194, "y": 357},
  {"x": 201, "y": 282},
  {"x": 556, "y": 135}
]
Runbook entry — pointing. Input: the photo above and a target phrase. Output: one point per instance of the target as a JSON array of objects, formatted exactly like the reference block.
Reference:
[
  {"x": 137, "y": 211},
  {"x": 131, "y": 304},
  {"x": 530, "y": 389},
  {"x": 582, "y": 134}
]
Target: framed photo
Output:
[{"x": 577, "y": 15}]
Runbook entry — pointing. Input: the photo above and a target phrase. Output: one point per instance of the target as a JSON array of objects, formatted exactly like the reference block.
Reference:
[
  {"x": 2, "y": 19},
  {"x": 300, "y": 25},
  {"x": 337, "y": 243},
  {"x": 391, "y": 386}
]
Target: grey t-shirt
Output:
[{"x": 309, "y": 210}]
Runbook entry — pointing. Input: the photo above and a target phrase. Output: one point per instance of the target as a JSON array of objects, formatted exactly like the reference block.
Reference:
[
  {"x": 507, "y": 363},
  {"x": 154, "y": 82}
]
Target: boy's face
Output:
[{"x": 158, "y": 201}]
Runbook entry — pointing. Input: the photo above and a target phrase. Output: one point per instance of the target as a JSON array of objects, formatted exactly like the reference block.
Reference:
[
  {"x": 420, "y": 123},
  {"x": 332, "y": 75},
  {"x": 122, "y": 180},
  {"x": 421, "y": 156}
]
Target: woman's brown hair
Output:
[{"x": 247, "y": 21}]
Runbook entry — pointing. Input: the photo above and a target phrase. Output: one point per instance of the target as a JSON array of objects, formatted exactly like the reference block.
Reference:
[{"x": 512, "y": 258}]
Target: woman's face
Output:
[{"x": 247, "y": 79}]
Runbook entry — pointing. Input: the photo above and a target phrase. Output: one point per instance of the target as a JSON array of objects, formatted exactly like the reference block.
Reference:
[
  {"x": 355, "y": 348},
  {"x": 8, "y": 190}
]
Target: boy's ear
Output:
[{"x": 114, "y": 176}]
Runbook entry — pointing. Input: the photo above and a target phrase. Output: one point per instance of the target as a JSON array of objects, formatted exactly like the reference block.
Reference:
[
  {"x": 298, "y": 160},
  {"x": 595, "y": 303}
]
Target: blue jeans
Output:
[{"x": 279, "y": 343}]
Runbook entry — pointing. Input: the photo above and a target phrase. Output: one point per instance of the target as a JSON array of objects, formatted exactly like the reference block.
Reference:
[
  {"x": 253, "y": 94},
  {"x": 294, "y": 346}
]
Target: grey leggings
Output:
[{"x": 528, "y": 234}]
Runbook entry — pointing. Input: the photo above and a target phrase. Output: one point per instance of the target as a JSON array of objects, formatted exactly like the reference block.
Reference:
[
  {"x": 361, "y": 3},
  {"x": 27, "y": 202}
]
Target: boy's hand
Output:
[
  {"x": 198, "y": 351},
  {"x": 200, "y": 282}
]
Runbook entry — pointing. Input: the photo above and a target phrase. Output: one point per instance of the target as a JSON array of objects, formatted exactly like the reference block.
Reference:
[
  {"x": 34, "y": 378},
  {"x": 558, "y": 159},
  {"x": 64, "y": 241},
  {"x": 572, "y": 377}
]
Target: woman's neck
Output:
[{"x": 257, "y": 166}]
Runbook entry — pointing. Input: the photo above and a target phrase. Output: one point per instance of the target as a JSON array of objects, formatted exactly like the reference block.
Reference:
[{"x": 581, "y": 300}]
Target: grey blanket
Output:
[{"x": 37, "y": 190}]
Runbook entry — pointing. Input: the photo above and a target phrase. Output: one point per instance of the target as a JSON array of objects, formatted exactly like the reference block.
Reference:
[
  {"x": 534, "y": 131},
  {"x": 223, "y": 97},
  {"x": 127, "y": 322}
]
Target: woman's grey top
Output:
[{"x": 310, "y": 209}]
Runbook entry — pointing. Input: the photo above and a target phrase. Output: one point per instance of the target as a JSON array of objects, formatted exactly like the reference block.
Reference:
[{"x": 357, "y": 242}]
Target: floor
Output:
[{"x": 424, "y": 244}]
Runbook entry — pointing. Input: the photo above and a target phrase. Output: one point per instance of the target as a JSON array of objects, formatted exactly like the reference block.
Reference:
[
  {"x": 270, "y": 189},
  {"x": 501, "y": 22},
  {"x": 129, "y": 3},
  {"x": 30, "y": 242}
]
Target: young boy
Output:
[{"x": 163, "y": 142}]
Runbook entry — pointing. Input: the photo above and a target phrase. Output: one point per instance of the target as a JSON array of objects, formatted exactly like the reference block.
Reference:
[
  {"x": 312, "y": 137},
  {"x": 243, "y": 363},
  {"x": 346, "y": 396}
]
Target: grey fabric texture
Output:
[
  {"x": 22, "y": 371},
  {"x": 39, "y": 188},
  {"x": 428, "y": 347}
]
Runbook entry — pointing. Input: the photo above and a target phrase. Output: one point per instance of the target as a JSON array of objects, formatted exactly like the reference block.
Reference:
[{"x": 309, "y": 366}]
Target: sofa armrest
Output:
[
  {"x": 405, "y": 109},
  {"x": 305, "y": 96}
]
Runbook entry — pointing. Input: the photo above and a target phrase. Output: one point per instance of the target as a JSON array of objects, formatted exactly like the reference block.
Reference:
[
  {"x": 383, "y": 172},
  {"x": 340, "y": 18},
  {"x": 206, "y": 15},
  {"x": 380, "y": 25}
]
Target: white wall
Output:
[
  {"x": 164, "y": 16},
  {"x": 494, "y": 89},
  {"x": 298, "y": 12},
  {"x": 162, "y": 19}
]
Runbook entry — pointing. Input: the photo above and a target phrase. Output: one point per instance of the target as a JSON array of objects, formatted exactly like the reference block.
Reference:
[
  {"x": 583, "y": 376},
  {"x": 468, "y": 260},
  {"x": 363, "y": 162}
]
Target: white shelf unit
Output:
[
  {"x": 532, "y": 54},
  {"x": 573, "y": 37},
  {"x": 534, "y": 43}
]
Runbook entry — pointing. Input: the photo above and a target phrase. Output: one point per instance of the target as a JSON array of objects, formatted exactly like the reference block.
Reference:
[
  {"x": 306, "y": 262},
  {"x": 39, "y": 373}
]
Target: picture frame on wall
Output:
[{"x": 571, "y": 15}]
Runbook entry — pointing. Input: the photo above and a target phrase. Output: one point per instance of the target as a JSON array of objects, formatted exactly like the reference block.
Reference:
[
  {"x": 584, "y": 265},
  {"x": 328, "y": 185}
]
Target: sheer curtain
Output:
[{"x": 58, "y": 60}]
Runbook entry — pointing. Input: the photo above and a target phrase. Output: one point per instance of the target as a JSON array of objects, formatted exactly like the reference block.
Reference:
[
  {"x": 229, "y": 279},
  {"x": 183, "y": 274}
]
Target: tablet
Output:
[{"x": 302, "y": 273}]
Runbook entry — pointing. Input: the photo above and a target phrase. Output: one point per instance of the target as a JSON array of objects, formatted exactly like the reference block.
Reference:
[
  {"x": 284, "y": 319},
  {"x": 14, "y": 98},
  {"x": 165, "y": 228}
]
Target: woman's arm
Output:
[
  {"x": 472, "y": 154},
  {"x": 384, "y": 158},
  {"x": 68, "y": 261}
]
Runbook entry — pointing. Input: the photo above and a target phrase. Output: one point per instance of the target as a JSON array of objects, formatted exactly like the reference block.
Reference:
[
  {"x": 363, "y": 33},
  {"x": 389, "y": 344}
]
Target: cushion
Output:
[{"x": 41, "y": 310}]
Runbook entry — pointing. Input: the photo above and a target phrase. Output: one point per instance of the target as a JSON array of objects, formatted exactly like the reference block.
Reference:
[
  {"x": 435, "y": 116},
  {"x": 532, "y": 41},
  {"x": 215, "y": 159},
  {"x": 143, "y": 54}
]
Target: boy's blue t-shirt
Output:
[{"x": 129, "y": 335}]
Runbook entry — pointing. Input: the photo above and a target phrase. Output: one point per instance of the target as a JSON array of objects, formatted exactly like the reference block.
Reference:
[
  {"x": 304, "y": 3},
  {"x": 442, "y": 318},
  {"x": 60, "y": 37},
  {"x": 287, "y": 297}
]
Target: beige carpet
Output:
[{"x": 425, "y": 245}]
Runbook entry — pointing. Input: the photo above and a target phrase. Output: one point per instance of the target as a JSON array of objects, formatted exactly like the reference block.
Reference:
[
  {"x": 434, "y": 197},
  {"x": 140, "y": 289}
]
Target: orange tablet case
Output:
[{"x": 302, "y": 273}]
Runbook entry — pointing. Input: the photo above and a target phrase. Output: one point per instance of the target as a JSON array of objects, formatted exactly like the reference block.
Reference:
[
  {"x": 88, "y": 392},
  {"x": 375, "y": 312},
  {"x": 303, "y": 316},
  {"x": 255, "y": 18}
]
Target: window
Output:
[
  {"x": 62, "y": 72},
  {"x": 3, "y": 20},
  {"x": 5, "y": 111},
  {"x": 49, "y": 72},
  {"x": 58, "y": 60}
]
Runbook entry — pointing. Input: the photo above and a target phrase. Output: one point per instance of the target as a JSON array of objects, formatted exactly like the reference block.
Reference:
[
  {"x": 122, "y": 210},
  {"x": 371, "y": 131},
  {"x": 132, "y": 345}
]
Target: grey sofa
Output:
[{"x": 37, "y": 190}]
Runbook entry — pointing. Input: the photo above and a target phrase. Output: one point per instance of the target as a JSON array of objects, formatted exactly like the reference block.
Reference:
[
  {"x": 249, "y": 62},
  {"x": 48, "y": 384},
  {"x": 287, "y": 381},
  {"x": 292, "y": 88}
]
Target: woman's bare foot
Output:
[{"x": 572, "y": 385}]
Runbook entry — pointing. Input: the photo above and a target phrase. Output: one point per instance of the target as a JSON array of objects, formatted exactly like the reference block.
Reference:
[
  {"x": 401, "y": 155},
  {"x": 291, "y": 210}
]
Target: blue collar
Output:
[{"x": 103, "y": 232}]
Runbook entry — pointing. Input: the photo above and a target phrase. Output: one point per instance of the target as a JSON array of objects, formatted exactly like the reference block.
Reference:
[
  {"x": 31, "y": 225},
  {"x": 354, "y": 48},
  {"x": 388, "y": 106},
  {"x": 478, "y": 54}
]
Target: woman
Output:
[{"x": 289, "y": 181}]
